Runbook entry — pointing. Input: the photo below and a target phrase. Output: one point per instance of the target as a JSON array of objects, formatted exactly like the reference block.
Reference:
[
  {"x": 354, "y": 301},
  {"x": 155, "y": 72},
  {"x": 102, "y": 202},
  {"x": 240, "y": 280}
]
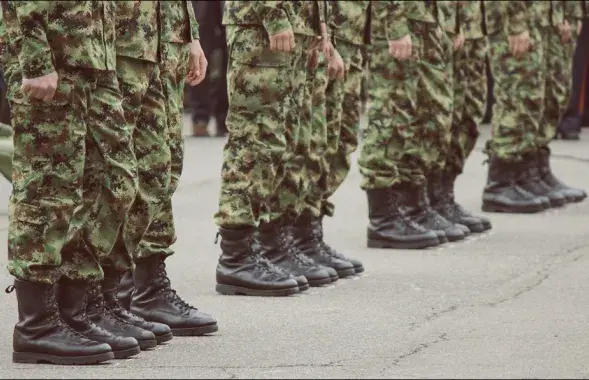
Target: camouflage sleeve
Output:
[
  {"x": 512, "y": 13},
  {"x": 573, "y": 10},
  {"x": 192, "y": 20},
  {"x": 396, "y": 20},
  {"x": 273, "y": 16},
  {"x": 35, "y": 55}
]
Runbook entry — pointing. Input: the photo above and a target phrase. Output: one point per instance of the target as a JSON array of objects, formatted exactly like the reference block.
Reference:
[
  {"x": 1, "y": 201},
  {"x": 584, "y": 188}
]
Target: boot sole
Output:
[
  {"x": 147, "y": 344},
  {"x": 320, "y": 282},
  {"x": 334, "y": 278},
  {"x": 302, "y": 288},
  {"x": 164, "y": 338},
  {"x": 196, "y": 331},
  {"x": 532, "y": 209},
  {"x": 122, "y": 354},
  {"x": 476, "y": 228},
  {"x": 359, "y": 269},
  {"x": 230, "y": 290},
  {"x": 343, "y": 273},
  {"x": 372, "y": 243},
  {"x": 34, "y": 358}
]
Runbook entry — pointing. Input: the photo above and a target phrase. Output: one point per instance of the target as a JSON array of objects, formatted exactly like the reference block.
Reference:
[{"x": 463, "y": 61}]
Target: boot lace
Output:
[
  {"x": 96, "y": 299},
  {"x": 262, "y": 263},
  {"x": 287, "y": 243},
  {"x": 169, "y": 293}
]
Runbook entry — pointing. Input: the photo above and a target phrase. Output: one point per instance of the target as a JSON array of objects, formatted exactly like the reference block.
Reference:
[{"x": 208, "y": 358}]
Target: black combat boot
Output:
[
  {"x": 155, "y": 301},
  {"x": 503, "y": 194},
  {"x": 126, "y": 289},
  {"x": 529, "y": 179},
  {"x": 571, "y": 194},
  {"x": 307, "y": 235},
  {"x": 103, "y": 317},
  {"x": 441, "y": 189},
  {"x": 110, "y": 286},
  {"x": 42, "y": 336},
  {"x": 302, "y": 281},
  {"x": 390, "y": 228},
  {"x": 414, "y": 203},
  {"x": 278, "y": 247},
  {"x": 243, "y": 271},
  {"x": 72, "y": 300}
]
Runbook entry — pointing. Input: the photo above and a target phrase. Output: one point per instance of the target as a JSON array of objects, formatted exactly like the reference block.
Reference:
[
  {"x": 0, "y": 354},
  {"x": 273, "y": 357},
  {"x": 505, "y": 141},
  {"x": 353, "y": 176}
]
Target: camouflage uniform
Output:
[
  {"x": 55, "y": 141},
  {"x": 336, "y": 106},
  {"x": 515, "y": 121},
  {"x": 265, "y": 91},
  {"x": 6, "y": 147},
  {"x": 408, "y": 135},
  {"x": 178, "y": 29},
  {"x": 470, "y": 85}
]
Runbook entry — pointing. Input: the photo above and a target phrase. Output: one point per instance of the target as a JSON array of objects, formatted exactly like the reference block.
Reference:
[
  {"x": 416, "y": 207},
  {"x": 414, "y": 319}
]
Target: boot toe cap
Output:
[
  {"x": 465, "y": 230},
  {"x": 159, "y": 329},
  {"x": 123, "y": 343},
  {"x": 454, "y": 233},
  {"x": 316, "y": 274}
]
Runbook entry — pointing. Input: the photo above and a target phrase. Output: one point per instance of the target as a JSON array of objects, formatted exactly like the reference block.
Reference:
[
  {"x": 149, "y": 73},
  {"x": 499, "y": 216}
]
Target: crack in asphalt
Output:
[{"x": 540, "y": 276}]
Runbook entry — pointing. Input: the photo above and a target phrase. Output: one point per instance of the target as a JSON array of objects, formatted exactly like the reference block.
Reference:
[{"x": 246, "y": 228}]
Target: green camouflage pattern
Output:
[
  {"x": 292, "y": 184},
  {"x": 470, "y": 100},
  {"x": 6, "y": 151},
  {"x": 573, "y": 10},
  {"x": 348, "y": 20},
  {"x": 177, "y": 22},
  {"x": 173, "y": 69},
  {"x": 408, "y": 135},
  {"x": 302, "y": 17},
  {"x": 507, "y": 17},
  {"x": 78, "y": 143},
  {"x": 519, "y": 85},
  {"x": 343, "y": 105},
  {"x": 137, "y": 29},
  {"x": 145, "y": 115},
  {"x": 447, "y": 15},
  {"x": 57, "y": 34},
  {"x": 557, "y": 66},
  {"x": 312, "y": 141},
  {"x": 265, "y": 96},
  {"x": 470, "y": 19}
]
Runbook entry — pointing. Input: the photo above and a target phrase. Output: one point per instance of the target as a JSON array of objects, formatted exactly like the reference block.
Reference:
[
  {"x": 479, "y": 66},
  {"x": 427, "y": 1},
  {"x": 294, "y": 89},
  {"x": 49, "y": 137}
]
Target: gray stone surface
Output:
[{"x": 512, "y": 303}]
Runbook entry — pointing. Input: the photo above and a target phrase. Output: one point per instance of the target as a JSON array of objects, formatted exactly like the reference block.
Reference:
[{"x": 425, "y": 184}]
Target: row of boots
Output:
[
  {"x": 76, "y": 322},
  {"x": 526, "y": 186},
  {"x": 417, "y": 216},
  {"x": 279, "y": 258}
]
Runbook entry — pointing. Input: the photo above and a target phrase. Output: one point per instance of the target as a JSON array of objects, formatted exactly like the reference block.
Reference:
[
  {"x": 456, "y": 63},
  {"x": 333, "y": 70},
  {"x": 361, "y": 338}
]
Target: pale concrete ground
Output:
[{"x": 510, "y": 304}]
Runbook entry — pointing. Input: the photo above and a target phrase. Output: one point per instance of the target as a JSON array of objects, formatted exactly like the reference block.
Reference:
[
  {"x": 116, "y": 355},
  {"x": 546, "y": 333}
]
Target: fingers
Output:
[
  {"x": 273, "y": 43},
  {"x": 284, "y": 41}
]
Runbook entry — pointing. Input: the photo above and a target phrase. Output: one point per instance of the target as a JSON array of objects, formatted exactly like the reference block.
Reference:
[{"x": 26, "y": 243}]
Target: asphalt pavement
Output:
[{"x": 512, "y": 303}]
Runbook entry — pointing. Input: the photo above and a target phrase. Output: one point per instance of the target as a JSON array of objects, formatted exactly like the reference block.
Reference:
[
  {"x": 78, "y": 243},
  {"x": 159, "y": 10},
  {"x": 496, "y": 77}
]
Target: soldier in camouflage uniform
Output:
[
  {"x": 147, "y": 291},
  {"x": 5, "y": 129},
  {"x": 69, "y": 137},
  {"x": 470, "y": 96},
  {"x": 520, "y": 179},
  {"x": 335, "y": 116},
  {"x": 263, "y": 159},
  {"x": 408, "y": 135}
]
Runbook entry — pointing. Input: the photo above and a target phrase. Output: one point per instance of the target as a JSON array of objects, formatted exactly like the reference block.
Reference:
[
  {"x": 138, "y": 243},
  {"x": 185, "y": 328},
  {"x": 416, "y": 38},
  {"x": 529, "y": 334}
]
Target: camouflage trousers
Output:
[
  {"x": 69, "y": 154},
  {"x": 470, "y": 99},
  {"x": 260, "y": 177},
  {"x": 409, "y": 129},
  {"x": 557, "y": 66},
  {"x": 335, "y": 122},
  {"x": 519, "y": 87},
  {"x": 6, "y": 150},
  {"x": 173, "y": 69},
  {"x": 145, "y": 115}
]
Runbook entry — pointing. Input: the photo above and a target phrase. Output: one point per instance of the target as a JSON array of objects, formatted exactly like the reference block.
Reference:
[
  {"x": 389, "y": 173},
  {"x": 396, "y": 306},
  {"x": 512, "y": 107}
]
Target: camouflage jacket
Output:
[
  {"x": 347, "y": 20},
  {"x": 510, "y": 17},
  {"x": 178, "y": 23},
  {"x": 390, "y": 19},
  {"x": 573, "y": 10},
  {"x": 56, "y": 34},
  {"x": 137, "y": 29},
  {"x": 302, "y": 17},
  {"x": 470, "y": 19}
]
